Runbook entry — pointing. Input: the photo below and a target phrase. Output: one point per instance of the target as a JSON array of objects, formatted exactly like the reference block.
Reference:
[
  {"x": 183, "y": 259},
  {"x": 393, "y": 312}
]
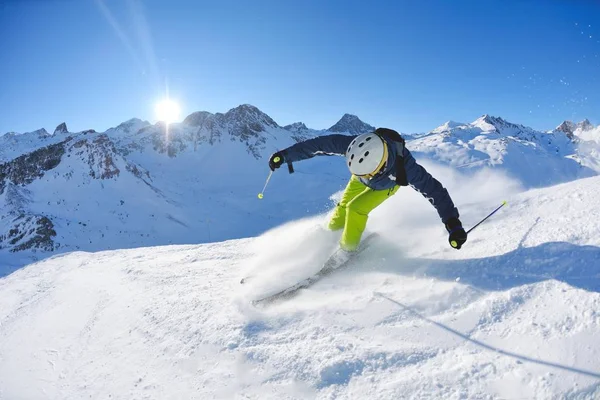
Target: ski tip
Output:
[{"x": 504, "y": 202}]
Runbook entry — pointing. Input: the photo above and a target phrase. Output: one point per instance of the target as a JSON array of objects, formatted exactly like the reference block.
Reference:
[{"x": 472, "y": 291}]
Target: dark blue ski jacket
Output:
[{"x": 416, "y": 175}]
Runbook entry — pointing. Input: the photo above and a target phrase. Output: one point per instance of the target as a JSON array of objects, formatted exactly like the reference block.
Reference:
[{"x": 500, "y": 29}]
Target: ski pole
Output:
[
  {"x": 492, "y": 213},
  {"x": 261, "y": 194},
  {"x": 454, "y": 244}
]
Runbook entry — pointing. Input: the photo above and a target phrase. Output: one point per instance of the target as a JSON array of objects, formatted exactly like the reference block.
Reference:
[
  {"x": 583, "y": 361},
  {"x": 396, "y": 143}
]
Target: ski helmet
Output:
[{"x": 366, "y": 154}]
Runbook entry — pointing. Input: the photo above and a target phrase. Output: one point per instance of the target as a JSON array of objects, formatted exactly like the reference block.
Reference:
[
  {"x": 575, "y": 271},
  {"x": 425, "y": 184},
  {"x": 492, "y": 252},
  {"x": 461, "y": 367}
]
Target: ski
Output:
[{"x": 328, "y": 267}]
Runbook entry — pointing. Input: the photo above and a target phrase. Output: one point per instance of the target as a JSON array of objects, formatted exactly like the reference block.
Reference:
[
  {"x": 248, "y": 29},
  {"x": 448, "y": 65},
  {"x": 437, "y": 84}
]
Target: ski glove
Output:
[
  {"x": 276, "y": 161},
  {"x": 458, "y": 236}
]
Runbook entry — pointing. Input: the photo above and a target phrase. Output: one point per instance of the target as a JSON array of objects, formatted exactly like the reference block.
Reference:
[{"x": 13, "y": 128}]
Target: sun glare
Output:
[{"x": 167, "y": 110}]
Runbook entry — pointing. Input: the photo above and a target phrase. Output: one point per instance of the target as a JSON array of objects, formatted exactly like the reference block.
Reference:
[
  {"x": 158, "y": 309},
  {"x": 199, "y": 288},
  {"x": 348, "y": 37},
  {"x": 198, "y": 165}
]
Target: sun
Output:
[{"x": 167, "y": 110}]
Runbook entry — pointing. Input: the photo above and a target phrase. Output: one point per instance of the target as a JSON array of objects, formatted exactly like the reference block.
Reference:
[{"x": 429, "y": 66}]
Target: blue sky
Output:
[{"x": 408, "y": 65}]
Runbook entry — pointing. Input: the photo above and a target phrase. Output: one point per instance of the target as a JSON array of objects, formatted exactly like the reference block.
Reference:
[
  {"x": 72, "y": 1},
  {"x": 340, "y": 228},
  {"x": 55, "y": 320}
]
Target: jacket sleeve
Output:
[
  {"x": 429, "y": 187},
  {"x": 327, "y": 145}
]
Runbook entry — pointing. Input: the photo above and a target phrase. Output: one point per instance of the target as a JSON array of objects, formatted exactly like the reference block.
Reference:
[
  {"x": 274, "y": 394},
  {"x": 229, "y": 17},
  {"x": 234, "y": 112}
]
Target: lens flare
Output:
[{"x": 168, "y": 111}]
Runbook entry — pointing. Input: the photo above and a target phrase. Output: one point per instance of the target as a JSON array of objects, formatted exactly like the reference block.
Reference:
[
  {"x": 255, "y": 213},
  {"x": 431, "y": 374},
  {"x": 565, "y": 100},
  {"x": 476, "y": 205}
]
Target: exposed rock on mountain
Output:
[
  {"x": 296, "y": 127},
  {"x": 29, "y": 232},
  {"x": 41, "y": 133},
  {"x": 99, "y": 154},
  {"x": 573, "y": 130},
  {"x": 584, "y": 125},
  {"x": 28, "y": 167},
  {"x": 567, "y": 127},
  {"x": 245, "y": 124},
  {"x": 61, "y": 128},
  {"x": 351, "y": 124}
]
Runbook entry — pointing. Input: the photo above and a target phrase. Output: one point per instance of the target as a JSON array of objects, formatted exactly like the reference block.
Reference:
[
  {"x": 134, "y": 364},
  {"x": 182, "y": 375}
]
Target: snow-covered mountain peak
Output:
[
  {"x": 494, "y": 142},
  {"x": 296, "y": 127},
  {"x": 197, "y": 118},
  {"x": 61, "y": 128},
  {"x": 584, "y": 126},
  {"x": 567, "y": 127},
  {"x": 245, "y": 125},
  {"x": 570, "y": 127},
  {"x": 42, "y": 133},
  {"x": 447, "y": 126},
  {"x": 489, "y": 123},
  {"x": 582, "y": 130},
  {"x": 248, "y": 114},
  {"x": 132, "y": 125},
  {"x": 484, "y": 123},
  {"x": 351, "y": 124}
]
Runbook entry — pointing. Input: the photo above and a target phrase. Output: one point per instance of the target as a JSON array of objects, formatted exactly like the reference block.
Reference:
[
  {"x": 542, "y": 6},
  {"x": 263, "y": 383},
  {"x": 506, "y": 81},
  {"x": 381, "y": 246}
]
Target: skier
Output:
[{"x": 380, "y": 164}]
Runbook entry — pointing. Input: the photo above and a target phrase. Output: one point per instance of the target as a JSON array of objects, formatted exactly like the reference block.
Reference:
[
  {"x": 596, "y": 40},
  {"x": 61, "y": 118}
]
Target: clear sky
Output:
[{"x": 408, "y": 65}]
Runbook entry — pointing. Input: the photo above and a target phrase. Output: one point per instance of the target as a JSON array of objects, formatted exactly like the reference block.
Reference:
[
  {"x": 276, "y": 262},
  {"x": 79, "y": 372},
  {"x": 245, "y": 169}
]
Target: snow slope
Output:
[{"x": 513, "y": 315}]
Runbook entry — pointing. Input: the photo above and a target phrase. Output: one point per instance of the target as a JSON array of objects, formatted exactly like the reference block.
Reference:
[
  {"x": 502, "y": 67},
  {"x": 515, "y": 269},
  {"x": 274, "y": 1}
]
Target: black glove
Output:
[
  {"x": 458, "y": 236},
  {"x": 276, "y": 161}
]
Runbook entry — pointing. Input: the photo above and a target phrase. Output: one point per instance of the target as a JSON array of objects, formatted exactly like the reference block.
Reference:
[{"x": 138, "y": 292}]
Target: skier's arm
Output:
[
  {"x": 429, "y": 187},
  {"x": 327, "y": 145}
]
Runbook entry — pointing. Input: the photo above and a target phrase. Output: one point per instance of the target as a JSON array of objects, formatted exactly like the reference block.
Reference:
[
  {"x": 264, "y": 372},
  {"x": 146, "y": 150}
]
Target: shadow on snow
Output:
[{"x": 578, "y": 266}]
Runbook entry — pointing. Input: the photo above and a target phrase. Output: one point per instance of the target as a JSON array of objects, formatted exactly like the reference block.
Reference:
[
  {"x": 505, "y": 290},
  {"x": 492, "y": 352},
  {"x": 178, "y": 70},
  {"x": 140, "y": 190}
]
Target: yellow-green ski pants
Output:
[{"x": 352, "y": 212}]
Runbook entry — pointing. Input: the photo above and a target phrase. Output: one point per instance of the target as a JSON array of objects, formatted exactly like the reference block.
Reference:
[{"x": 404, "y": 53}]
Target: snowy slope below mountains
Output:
[{"x": 512, "y": 315}]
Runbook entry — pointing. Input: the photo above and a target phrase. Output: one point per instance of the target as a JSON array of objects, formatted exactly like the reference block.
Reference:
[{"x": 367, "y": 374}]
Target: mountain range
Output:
[{"x": 139, "y": 184}]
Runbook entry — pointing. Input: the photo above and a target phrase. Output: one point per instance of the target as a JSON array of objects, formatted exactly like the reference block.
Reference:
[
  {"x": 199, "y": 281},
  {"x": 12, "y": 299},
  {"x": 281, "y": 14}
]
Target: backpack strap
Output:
[{"x": 398, "y": 141}]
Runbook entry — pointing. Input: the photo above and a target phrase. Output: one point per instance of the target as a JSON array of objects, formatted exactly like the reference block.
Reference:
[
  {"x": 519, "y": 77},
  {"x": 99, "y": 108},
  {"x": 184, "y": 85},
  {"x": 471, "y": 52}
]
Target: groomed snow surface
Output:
[{"x": 513, "y": 315}]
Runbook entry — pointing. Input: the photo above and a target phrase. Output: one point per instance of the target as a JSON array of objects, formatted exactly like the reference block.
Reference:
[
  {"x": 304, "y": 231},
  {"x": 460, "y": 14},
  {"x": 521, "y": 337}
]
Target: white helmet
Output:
[{"x": 366, "y": 154}]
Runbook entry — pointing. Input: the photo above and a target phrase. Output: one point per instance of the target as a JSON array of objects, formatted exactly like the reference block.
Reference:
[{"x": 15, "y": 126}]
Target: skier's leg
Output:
[
  {"x": 353, "y": 189},
  {"x": 357, "y": 213}
]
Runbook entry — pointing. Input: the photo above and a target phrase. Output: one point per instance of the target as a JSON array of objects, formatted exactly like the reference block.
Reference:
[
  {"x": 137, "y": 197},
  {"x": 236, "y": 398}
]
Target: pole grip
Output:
[{"x": 290, "y": 168}]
